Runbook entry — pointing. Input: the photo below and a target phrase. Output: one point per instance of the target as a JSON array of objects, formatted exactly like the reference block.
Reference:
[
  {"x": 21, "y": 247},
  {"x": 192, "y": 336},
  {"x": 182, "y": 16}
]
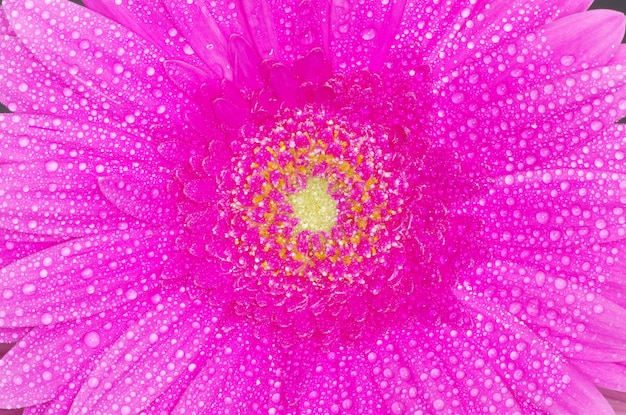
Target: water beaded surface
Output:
[{"x": 311, "y": 208}]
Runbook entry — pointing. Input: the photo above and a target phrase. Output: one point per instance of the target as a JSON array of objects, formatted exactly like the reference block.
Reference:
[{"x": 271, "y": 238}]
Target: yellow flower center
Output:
[{"x": 315, "y": 210}]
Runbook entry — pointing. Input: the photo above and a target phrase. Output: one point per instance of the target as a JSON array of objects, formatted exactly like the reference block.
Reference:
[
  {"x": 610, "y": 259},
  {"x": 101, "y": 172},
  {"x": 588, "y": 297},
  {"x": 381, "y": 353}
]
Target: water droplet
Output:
[
  {"x": 368, "y": 34},
  {"x": 29, "y": 289},
  {"x": 52, "y": 166},
  {"x": 131, "y": 294},
  {"x": 438, "y": 404},
  {"x": 543, "y": 217},
  {"x": 540, "y": 278},
  {"x": 560, "y": 283},
  {"x": 92, "y": 339},
  {"x": 86, "y": 273},
  {"x": 46, "y": 319},
  {"x": 458, "y": 97},
  {"x": 397, "y": 408},
  {"x": 93, "y": 382},
  {"x": 567, "y": 60}
]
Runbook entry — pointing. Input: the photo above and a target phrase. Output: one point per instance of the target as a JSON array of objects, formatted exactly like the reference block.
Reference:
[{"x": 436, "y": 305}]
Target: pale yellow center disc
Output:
[{"x": 315, "y": 210}]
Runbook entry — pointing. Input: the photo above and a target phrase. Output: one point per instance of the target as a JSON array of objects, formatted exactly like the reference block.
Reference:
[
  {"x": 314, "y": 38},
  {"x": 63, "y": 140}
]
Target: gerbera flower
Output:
[{"x": 312, "y": 207}]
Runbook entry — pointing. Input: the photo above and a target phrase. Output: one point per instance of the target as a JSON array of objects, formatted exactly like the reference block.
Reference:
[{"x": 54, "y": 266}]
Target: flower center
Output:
[
  {"x": 313, "y": 225},
  {"x": 314, "y": 208}
]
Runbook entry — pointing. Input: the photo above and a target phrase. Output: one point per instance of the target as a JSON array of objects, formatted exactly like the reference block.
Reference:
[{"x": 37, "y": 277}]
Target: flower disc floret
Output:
[
  {"x": 278, "y": 164},
  {"x": 287, "y": 262}
]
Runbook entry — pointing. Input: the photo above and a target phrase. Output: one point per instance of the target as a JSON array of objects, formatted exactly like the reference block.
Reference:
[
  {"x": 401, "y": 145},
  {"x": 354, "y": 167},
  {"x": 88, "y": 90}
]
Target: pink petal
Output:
[
  {"x": 433, "y": 35},
  {"x": 207, "y": 38},
  {"x": 246, "y": 63},
  {"x": 28, "y": 137},
  {"x": 284, "y": 84},
  {"x": 79, "y": 278},
  {"x": 48, "y": 358},
  {"x": 12, "y": 335},
  {"x": 142, "y": 195},
  {"x": 43, "y": 195},
  {"x": 161, "y": 347},
  {"x": 585, "y": 39},
  {"x": 553, "y": 384},
  {"x": 518, "y": 124},
  {"x": 581, "y": 323},
  {"x": 605, "y": 375},
  {"x": 202, "y": 191},
  {"x": 329, "y": 381},
  {"x": 123, "y": 74},
  {"x": 157, "y": 28},
  {"x": 50, "y": 172},
  {"x": 584, "y": 207},
  {"x": 25, "y": 85},
  {"x": 238, "y": 377},
  {"x": 617, "y": 401}
]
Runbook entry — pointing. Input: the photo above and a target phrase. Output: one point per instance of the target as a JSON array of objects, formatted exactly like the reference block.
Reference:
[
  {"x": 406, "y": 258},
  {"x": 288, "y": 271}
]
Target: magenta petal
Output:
[
  {"x": 122, "y": 84},
  {"x": 509, "y": 122},
  {"x": 152, "y": 261},
  {"x": 247, "y": 64},
  {"x": 237, "y": 365},
  {"x": 593, "y": 328},
  {"x": 147, "y": 199},
  {"x": 594, "y": 34},
  {"x": 25, "y": 85},
  {"x": 605, "y": 375},
  {"x": 283, "y": 83},
  {"x": 202, "y": 191},
  {"x": 518, "y": 348},
  {"x": 39, "y": 188},
  {"x": 30, "y": 137},
  {"x": 309, "y": 20},
  {"x": 432, "y": 33},
  {"x": 188, "y": 78},
  {"x": 161, "y": 347},
  {"x": 561, "y": 220},
  {"x": 206, "y": 36},
  {"x": 617, "y": 400},
  {"x": 79, "y": 278},
  {"x": 42, "y": 362},
  {"x": 158, "y": 28},
  {"x": 12, "y": 335},
  {"x": 329, "y": 381}
]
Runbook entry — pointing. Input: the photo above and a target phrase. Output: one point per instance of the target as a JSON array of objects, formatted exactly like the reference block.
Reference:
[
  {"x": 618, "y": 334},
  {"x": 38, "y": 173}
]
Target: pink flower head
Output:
[{"x": 313, "y": 207}]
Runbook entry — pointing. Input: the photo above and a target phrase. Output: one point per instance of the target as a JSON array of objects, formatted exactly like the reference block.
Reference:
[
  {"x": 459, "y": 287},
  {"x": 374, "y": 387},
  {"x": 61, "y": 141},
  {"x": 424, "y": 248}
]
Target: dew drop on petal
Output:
[
  {"x": 29, "y": 289},
  {"x": 86, "y": 273},
  {"x": 368, "y": 34},
  {"x": 438, "y": 404},
  {"x": 93, "y": 382},
  {"x": 52, "y": 166},
  {"x": 397, "y": 408},
  {"x": 458, "y": 97},
  {"x": 560, "y": 283},
  {"x": 543, "y": 217},
  {"x": 567, "y": 60},
  {"x": 92, "y": 339},
  {"x": 131, "y": 294},
  {"x": 46, "y": 319}
]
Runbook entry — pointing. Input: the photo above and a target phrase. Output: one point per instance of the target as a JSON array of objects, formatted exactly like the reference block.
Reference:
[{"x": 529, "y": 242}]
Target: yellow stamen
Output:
[{"x": 315, "y": 210}]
